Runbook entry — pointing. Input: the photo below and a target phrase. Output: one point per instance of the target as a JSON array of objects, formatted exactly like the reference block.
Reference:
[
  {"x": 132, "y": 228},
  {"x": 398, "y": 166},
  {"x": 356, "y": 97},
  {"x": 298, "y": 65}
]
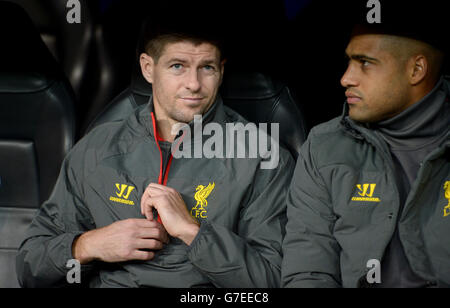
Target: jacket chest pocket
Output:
[
  {"x": 209, "y": 199},
  {"x": 364, "y": 197},
  {"x": 210, "y": 192},
  {"x": 114, "y": 195}
]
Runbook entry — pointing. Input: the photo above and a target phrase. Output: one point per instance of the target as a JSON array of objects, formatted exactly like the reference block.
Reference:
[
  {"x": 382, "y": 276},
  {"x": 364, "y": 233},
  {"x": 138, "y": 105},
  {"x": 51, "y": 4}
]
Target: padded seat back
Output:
[{"x": 37, "y": 126}]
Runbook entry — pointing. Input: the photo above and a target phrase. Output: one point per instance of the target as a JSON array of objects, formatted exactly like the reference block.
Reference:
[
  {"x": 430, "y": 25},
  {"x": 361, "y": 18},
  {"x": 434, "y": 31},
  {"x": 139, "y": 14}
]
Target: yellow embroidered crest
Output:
[
  {"x": 202, "y": 192},
  {"x": 447, "y": 196}
]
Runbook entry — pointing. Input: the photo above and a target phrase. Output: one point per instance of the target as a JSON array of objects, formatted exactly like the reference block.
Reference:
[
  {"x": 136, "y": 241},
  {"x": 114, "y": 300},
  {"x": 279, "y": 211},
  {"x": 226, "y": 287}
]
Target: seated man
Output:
[
  {"x": 135, "y": 215},
  {"x": 368, "y": 204}
]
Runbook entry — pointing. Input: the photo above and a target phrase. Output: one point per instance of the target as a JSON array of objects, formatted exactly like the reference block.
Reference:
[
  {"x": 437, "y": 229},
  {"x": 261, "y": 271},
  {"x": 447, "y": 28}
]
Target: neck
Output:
[
  {"x": 164, "y": 124},
  {"x": 420, "y": 123},
  {"x": 423, "y": 89},
  {"x": 164, "y": 128}
]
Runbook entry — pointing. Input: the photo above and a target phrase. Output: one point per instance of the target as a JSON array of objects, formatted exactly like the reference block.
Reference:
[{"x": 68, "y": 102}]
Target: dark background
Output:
[{"x": 300, "y": 42}]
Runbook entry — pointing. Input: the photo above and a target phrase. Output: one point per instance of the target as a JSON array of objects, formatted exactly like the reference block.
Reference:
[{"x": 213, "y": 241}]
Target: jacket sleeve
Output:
[
  {"x": 251, "y": 257},
  {"x": 311, "y": 253},
  {"x": 47, "y": 247}
]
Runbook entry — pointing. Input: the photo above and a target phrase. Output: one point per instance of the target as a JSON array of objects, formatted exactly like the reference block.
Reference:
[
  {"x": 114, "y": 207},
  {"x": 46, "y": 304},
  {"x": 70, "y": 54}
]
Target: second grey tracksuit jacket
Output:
[{"x": 343, "y": 208}]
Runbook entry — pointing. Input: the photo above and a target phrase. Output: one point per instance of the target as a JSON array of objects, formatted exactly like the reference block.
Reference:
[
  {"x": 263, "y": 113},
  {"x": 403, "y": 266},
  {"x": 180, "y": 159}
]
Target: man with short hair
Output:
[
  {"x": 135, "y": 216},
  {"x": 368, "y": 188}
]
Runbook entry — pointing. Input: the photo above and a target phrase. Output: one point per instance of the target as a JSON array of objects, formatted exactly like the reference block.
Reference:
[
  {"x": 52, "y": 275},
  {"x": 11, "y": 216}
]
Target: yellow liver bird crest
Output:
[
  {"x": 447, "y": 196},
  {"x": 202, "y": 193}
]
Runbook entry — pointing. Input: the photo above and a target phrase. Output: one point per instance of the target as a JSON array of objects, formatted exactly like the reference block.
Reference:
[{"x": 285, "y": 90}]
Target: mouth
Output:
[
  {"x": 191, "y": 100},
  {"x": 352, "y": 98}
]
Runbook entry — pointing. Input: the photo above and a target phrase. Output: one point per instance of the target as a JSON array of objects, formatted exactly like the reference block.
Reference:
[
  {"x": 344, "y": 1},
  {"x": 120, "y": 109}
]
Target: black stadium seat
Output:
[
  {"x": 256, "y": 96},
  {"x": 262, "y": 99},
  {"x": 37, "y": 126}
]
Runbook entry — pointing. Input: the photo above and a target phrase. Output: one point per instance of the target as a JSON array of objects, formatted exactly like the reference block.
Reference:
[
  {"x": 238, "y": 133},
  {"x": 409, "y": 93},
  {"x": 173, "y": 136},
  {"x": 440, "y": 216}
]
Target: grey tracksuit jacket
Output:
[
  {"x": 343, "y": 208},
  {"x": 101, "y": 182}
]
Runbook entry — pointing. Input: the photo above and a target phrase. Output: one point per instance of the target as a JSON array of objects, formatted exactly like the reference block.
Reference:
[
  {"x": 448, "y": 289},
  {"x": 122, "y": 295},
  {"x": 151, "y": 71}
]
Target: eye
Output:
[
  {"x": 209, "y": 68},
  {"x": 176, "y": 66},
  {"x": 365, "y": 63}
]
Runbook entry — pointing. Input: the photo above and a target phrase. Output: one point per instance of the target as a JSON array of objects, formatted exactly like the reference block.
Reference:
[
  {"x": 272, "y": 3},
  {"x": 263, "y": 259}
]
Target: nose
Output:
[
  {"x": 193, "y": 82},
  {"x": 349, "y": 79}
]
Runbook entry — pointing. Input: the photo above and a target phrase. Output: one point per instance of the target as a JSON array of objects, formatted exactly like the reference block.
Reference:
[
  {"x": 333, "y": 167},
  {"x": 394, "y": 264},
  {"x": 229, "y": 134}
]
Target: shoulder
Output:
[
  {"x": 331, "y": 143},
  {"x": 327, "y": 129},
  {"x": 105, "y": 140},
  {"x": 329, "y": 134}
]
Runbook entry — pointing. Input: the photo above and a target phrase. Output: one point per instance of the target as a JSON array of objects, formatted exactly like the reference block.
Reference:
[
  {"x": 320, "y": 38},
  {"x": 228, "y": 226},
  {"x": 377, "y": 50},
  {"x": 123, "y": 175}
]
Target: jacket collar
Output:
[{"x": 361, "y": 130}]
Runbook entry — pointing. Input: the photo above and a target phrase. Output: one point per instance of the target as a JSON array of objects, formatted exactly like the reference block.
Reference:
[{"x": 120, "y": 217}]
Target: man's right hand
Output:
[{"x": 121, "y": 241}]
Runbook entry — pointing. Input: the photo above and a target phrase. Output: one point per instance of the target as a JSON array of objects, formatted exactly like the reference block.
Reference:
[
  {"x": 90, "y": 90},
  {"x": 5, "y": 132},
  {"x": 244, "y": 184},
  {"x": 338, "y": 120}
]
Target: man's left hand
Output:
[{"x": 172, "y": 210}]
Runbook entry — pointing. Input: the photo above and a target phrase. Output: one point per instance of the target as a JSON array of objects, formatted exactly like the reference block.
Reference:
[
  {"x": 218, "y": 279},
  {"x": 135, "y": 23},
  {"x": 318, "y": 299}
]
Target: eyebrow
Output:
[
  {"x": 208, "y": 61},
  {"x": 359, "y": 57},
  {"x": 183, "y": 61},
  {"x": 177, "y": 60}
]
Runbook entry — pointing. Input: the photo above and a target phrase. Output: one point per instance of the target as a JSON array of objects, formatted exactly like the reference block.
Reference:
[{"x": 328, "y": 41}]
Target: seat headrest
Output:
[
  {"x": 250, "y": 85},
  {"x": 22, "y": 49}
]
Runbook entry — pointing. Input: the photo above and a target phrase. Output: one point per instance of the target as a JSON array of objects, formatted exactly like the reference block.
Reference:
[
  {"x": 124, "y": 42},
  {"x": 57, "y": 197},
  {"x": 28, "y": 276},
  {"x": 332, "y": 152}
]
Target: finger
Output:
[
  {"x": 145, "y": 210},
  {"x": 156, "y": 203},
  {"x": 157, "y": 186},
  {"x": 147, "y": 194},
  {"x": 144, "y": 223},
  {"x": 159, "y": 233},
  {"x": 155, "y": 192},
  {"x": 152, "y": 233},
  {"x": 149, "y": 244},
  {"x": 148, "y": 211},
  {"x": 164, "y": 234},
  {"x": 143, "y": 199},
  {"x": 143, "y": 255}
]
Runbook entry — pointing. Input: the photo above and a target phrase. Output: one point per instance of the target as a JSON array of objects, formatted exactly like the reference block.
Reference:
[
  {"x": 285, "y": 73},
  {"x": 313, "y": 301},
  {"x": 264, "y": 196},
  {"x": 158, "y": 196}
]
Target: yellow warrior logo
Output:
[
  {"x": 200, "y": 196},
  {"x": 123, "y": 193},
  {"x": 447, "y": 196},
  {"x": 365, "y": 193},
  {"x": 122, "y": 188}
]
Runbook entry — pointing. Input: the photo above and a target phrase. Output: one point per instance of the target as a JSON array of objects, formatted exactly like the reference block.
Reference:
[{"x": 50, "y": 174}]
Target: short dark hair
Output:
[
  {"x": 154, "y": 47},
  {"x": 186, "y": 23},
  {"x": 424, "y": 21}
]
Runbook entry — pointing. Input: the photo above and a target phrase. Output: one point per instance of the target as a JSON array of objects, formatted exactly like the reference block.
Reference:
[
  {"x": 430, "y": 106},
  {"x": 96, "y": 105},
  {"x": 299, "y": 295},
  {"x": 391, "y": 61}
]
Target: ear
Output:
[
  {"x": 418, "y": 69},
  {"x": 147, "y": 66}
]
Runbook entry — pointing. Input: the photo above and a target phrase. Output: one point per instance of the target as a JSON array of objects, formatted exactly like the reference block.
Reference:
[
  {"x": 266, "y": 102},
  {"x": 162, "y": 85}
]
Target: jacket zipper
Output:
[
  {"x": 161, "y": 180},
  {"x": 390, "y": 167}
]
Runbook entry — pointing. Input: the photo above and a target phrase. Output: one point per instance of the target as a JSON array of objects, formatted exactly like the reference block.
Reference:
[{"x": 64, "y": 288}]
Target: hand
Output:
[
  {"x": 172, "y": 211},
  {"x": 121, "y": 241}
]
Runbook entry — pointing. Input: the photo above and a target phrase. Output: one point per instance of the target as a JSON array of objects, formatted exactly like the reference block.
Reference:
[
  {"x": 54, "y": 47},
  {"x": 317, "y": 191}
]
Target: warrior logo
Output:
[
  {"x": 200, "y": 196},
  {"x": 365, "y": 192},
  {"x": 123, "y": 197}
]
